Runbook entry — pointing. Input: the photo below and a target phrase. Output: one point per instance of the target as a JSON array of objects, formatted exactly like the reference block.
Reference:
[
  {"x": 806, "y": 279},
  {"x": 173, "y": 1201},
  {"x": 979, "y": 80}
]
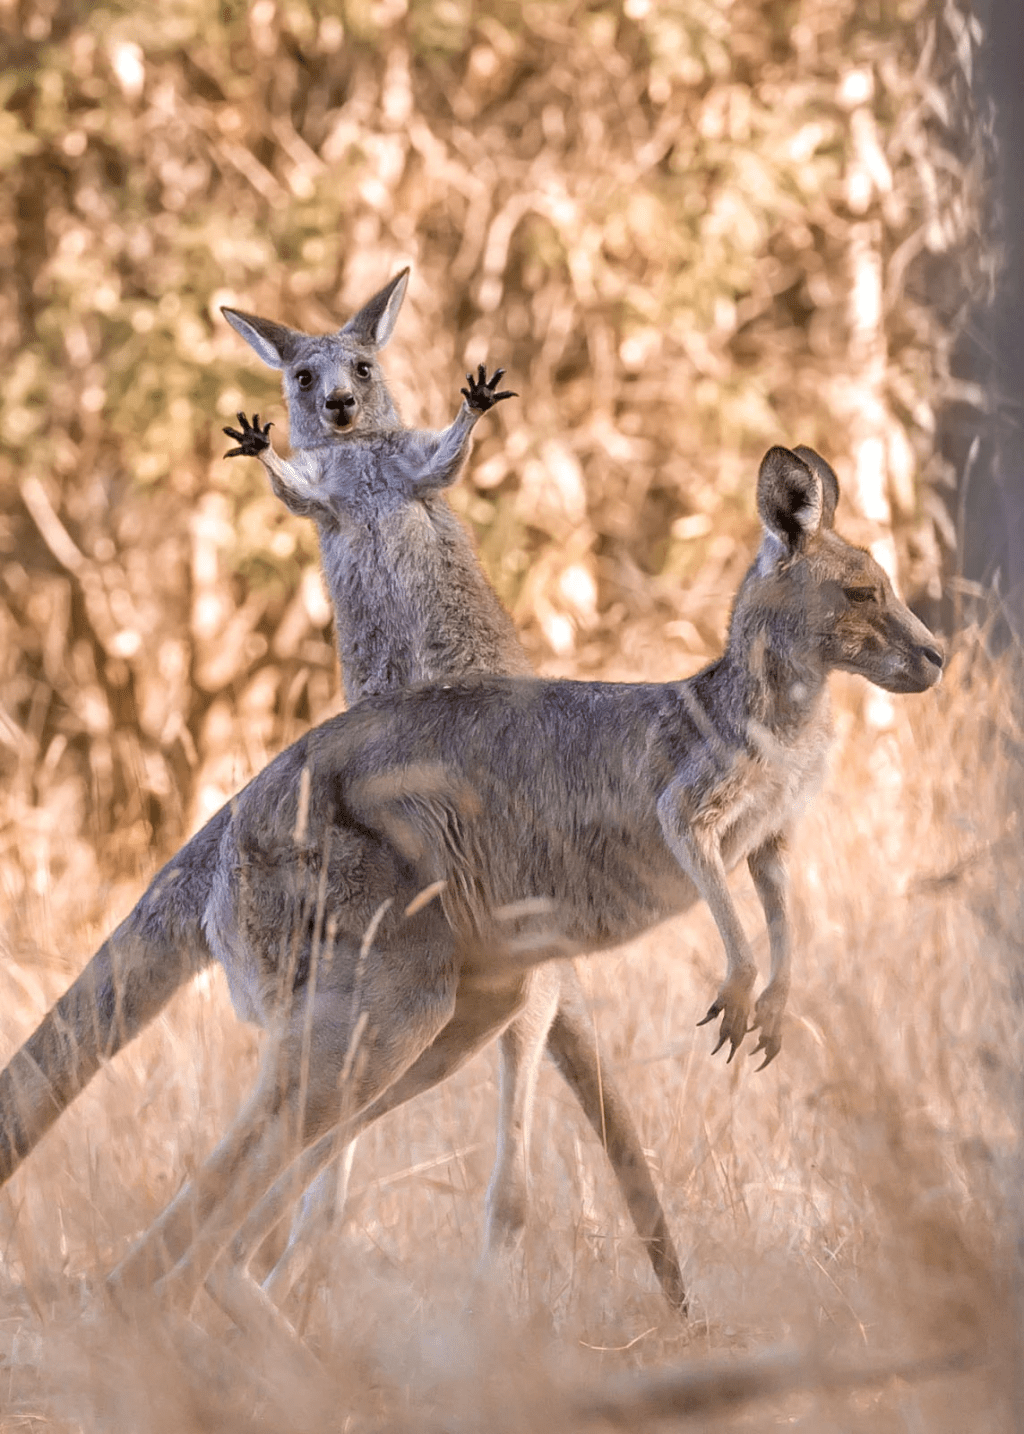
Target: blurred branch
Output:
[
  {"x": 51, "y": 529},
  {"x": 715, "y": 1386}
]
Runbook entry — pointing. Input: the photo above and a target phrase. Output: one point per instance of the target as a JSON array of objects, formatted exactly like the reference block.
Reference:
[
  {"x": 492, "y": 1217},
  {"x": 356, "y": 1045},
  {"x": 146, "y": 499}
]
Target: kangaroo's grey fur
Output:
[
  {"x": 543, "y": 818},
  {"x": 410, "y": 598},
  {"x": 412, "y": 604}
]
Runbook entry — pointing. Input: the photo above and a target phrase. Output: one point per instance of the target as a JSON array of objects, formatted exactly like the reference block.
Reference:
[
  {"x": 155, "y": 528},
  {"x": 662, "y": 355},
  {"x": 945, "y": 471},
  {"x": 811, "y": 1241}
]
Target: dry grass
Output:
[{"x": 857, "y": 1204}]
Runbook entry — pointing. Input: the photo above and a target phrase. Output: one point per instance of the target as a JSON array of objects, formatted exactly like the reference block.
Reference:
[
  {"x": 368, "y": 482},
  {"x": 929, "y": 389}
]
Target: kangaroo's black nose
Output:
[
  {"x": 340, "y": 402},
  {"x": 933, "y": 655}
]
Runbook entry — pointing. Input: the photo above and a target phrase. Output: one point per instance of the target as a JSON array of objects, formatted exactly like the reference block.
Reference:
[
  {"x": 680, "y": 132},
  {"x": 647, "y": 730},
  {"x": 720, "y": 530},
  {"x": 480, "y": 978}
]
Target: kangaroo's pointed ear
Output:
[
  {"x": 375, "y": 321},
  {"x": 275, "y": 343},
  {"x": 829, "y": 483},
  {"x": 790, "y": 500}
]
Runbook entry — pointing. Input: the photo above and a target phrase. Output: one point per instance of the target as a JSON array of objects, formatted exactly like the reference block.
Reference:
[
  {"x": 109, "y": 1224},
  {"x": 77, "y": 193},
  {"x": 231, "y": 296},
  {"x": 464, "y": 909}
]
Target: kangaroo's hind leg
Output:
[
  {"x": 331, "y": 1059},
  {"x": 557, "y": 1016},
  {"x": 317, "y": 1215},
  {"x": 521, "y": 1047},
  {"x": 480, "y": 1015},
  {"x": 554, "y": 1014},
  {"x": 573, "y": 1046}
]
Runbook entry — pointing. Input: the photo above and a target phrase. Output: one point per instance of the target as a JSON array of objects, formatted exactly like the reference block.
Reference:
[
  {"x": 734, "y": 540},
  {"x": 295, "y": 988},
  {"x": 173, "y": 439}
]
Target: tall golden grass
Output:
[{"x": 855, "y": 1207}]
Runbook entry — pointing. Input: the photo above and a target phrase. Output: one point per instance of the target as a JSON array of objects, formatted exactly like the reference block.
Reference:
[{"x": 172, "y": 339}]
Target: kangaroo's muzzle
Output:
[
  {"x": 931, "y": 662},
  {"x": 341, "y": 405},
  {"x": 916, "y": 669}
]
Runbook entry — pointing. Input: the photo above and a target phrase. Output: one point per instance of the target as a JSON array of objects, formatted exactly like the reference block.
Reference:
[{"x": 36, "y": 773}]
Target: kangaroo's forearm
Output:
[
  {"x": 768, "y": 870},
  {"x": 702, "y": 863},
  {"x": 697, "y": 851},
  {"x": 444, "y": 461},
  {"x": 294, "y": 487}
]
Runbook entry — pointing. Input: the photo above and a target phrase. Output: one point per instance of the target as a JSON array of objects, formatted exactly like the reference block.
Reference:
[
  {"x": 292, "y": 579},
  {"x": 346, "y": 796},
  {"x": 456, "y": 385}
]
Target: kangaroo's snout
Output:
[
  {"x": 910, "y": 666},
  {"x": 341, "y": 405},
  {"x": 930, "y": 662},
  {"x": 926, "y": 657}
]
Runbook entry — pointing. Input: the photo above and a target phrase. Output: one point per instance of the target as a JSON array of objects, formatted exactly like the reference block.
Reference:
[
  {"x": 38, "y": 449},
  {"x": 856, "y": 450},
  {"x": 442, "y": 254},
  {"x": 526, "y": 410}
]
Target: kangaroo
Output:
[
  {"x": 380, "y": 888},
  {"x": 412, "y": 604}
]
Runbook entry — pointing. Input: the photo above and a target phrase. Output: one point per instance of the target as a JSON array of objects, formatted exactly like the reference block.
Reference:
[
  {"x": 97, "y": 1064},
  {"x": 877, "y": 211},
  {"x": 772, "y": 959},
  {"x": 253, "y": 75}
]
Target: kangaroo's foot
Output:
[
  {"x": 480, "y": 394},
  {"x": 733, "y": 1005},
  {"x": 252, "y": 440},
  {"x": 501, "y": 1285}
]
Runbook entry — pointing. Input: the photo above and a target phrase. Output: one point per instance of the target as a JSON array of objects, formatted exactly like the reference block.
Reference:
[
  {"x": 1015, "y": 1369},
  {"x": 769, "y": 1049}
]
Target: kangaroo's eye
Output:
[
  {"x": 859, "y": 594},
  {"x": 363, "y": 370},
  {"x": 304, "y": 378}
]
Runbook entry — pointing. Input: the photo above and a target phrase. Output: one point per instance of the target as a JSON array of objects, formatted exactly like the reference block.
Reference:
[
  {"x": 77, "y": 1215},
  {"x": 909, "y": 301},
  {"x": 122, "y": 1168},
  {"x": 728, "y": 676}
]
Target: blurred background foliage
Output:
[{"x": 688, "y": 229}]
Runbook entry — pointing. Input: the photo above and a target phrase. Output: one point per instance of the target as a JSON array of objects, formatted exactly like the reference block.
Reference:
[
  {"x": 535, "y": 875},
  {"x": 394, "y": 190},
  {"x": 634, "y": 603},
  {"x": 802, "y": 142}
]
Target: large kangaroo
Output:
[
  {"x": 412, "y": 604},
  {"x": 380, "y": 888}
]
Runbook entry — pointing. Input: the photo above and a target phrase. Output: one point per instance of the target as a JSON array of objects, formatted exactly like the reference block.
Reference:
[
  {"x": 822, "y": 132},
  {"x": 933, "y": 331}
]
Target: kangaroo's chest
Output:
[{"x": 765, "y": 789}]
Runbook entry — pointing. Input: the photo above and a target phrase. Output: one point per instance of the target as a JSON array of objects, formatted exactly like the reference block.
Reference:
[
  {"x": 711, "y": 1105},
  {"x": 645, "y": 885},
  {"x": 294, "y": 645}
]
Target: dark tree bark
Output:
[{"x": 992, "y": 501}]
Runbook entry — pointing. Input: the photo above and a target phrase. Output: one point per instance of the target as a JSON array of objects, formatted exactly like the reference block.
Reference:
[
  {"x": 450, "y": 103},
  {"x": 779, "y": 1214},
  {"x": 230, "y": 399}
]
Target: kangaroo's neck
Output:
[
  {"x": 411, "y": 602},
  {"x": 771, "y": 686}
]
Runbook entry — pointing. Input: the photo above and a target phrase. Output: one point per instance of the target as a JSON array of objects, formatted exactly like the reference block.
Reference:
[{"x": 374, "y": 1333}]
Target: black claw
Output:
[
  {"x": 713, "y": 1011},
  {"x": 771, "y": 1047}
]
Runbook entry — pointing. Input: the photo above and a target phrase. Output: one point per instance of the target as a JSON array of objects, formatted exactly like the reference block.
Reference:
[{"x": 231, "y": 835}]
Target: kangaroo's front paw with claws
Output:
[
  {"x": 768, "y": 1022},
  {"x": 251, "y": 440},
  {"x": 733, "y": 1005},
  {"x": 480, "y": 394}
]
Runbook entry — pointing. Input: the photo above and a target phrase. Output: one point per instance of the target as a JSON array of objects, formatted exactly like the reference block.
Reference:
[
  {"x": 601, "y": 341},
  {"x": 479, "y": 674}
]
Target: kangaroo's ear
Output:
[
  {"x": 790, "y": 499},
  {"x": 375, "y": 321},
  {"x": 829, "y": 483},
  {"x": 275, "y": 343}
]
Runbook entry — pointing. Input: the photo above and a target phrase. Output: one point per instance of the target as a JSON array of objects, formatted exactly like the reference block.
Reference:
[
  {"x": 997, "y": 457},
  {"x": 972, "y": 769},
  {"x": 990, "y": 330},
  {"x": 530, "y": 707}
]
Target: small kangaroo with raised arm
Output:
[{"x": 412, "y": 604}]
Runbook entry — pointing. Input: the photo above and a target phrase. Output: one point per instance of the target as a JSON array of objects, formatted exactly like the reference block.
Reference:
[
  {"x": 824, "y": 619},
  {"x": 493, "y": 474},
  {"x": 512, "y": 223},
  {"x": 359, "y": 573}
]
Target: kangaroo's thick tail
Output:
[
  {"x": 572, "y": 1046},
  {"x": 158, "y": 947}
]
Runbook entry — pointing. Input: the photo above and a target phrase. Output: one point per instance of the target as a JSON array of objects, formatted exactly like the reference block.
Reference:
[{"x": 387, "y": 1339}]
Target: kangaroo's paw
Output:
[
  {"x": 481, "y": 391},
  {"x": 733, "y": 1005},
  {"x": 252, "y": 439},
  {"x": 768, "y": 1013}
]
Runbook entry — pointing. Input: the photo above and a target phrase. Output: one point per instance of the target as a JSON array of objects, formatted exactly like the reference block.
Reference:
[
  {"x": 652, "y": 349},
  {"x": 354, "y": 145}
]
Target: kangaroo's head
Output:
[
  {"x": 332, "y": 382},
  {"x": 817, "y": 602}
]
